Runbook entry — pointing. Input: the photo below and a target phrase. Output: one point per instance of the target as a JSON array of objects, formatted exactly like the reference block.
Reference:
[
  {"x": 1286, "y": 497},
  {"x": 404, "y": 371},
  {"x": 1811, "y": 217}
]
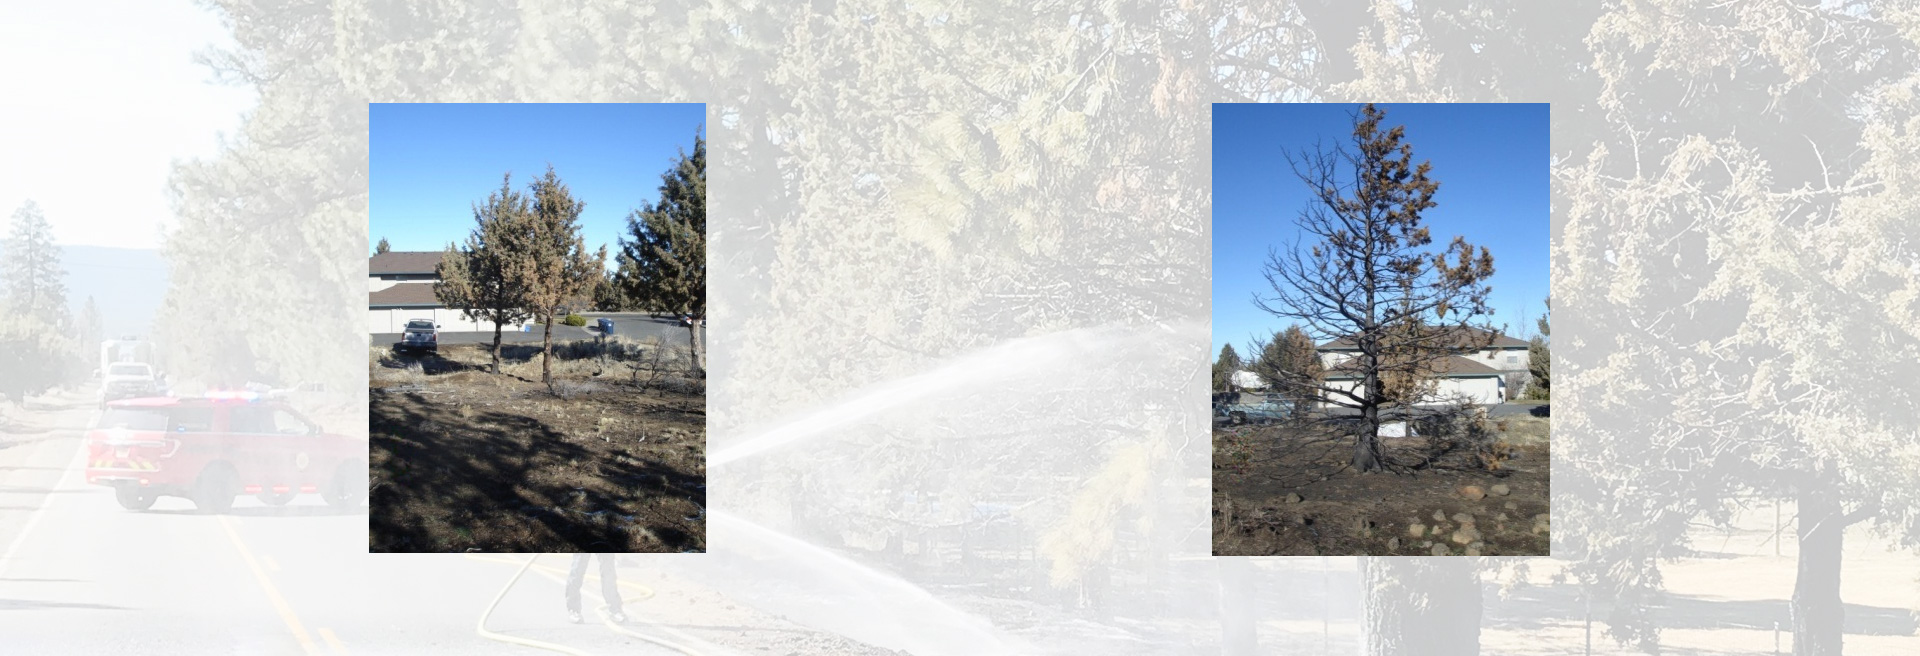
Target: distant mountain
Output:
[{"x": 126, "y": 285}]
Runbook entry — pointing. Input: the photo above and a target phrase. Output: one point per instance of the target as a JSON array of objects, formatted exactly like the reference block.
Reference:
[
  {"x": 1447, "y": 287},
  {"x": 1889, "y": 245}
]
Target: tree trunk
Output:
[
  {"x": 1419, "y": 607},
  {"x": 698, "y": 358},
  {"x": 1238, "y": 634},
  {"x": 1818, "y": 613},
  {"x": 546, "y": 353},
  {"x": 1366, "y": 446},
  {"x": 496, "y": 347}
]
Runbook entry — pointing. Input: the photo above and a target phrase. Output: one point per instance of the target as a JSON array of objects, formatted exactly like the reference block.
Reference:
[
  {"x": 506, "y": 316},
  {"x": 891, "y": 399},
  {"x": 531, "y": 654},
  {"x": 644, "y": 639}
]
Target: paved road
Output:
[
  {"x": 630, "y": 325},
  {"x": 1511, "y": 409},
  {"x": 79, "y": 575},
  {"x": 1494, "y": 410}
]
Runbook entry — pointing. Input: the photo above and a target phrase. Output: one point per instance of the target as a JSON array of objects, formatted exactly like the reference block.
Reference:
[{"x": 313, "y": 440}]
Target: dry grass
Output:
[{"x": 1526, "y": 431}]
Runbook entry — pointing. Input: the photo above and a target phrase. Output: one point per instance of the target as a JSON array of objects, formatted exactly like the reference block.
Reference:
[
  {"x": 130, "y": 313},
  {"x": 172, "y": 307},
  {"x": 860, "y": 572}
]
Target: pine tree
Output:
[
  {"x": 478, "y": 279},
  {"x": 1368, "y": 280},
  {"x": 89, "y": 331},
  {"x": 1290, "y": 365},
  {"x": 667, "y": 247},
  {"x": 1223, "y": 368},
  {"x": 33, "y": 358},
  {"x": 91, "y": 327},
  {"x": 382, "y": 247},
  {"x": 607, "y": 296},
  {"x": 1540, "y": 358},
  {"x": 35, "y": 351},
  {"x": 30, "y": 269},
  {"x": 550, "y": 258}
]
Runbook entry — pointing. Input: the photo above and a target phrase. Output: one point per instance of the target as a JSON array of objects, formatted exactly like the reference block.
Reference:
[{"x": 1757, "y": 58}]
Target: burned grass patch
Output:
[
  {"x": 1286, "y": 490},
  {"x": 467, "y": 460}
]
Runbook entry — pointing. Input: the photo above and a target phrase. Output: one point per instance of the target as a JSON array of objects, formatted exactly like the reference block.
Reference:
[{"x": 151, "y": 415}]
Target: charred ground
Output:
[{"x": 1286, "y": 490}]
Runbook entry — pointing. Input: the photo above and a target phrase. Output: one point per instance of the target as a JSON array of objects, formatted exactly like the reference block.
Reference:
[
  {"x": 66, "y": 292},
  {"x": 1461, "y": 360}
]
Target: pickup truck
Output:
[
  {"x": 126, "y": 380},
  {"x": 420, "y": 335},
  {"x": 211, "y": 450}
]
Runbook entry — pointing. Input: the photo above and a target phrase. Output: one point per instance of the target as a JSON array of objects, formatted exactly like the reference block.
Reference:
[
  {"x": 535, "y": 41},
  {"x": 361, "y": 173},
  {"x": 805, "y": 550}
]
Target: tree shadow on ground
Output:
[
  {"x": 430, "y": 363},
  {"x": 269, "y": 511},
  {"x": 452, "y": 480},
  {"x": 1541, "y": 410},
  {"x": 35, "y": 604},
  {"x": 1537, "y": 606}
]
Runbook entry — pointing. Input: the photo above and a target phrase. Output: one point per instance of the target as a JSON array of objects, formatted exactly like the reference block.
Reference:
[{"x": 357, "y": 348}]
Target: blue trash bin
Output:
[{"x": 606, "y": 326}]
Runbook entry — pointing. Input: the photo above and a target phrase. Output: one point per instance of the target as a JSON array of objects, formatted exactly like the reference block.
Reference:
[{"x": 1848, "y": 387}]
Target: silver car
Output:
[{"x": 420, "y": 335}]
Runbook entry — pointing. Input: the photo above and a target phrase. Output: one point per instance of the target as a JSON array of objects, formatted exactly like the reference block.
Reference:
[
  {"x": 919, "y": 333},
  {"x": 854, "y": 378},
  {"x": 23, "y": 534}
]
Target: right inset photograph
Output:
[{"x": 1382, "y": 330}]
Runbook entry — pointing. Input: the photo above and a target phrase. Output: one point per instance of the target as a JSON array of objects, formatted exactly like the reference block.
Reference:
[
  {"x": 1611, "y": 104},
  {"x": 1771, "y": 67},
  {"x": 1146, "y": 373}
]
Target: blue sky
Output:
[
  {"x": 431, "y": 162},
  {"x": 1491, "y": 162}
]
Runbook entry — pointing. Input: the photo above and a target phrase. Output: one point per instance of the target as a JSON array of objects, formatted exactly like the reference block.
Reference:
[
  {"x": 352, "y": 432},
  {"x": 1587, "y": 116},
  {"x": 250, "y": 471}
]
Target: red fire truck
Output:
[{"x": 216, "y": 448}]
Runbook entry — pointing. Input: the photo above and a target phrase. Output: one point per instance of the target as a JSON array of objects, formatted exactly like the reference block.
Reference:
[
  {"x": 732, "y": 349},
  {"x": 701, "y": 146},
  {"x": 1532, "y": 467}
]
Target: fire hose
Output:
[{"x": 601, "y": 610}]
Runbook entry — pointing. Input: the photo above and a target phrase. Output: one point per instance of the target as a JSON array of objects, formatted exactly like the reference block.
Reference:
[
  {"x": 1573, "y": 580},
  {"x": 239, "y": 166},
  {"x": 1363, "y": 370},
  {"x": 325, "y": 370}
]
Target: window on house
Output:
[{"x": 1513, "y": 359}]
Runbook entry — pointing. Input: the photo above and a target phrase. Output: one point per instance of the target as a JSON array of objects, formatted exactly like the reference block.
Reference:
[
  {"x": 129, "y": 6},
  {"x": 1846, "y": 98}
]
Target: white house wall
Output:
[
  {"x": 1498, "y": 358},
  {"x": 1495, "y": 358},
  {"x": 1485, "y": 391},
  {"x": 1248, "y": 380},
  {"x": 1482, "y": 390},
  {"x": 393, "y": 320}
]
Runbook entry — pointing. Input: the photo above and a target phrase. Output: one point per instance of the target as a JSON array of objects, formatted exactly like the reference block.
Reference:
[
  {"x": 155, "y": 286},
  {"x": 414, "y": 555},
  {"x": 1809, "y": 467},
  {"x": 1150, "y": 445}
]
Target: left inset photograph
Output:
[{"x": 537, "y": 318}]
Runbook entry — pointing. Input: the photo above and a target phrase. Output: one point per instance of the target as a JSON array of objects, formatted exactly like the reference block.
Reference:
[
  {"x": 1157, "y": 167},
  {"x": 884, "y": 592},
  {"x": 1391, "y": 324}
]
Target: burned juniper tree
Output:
[{"x": 1362, "y": 273}]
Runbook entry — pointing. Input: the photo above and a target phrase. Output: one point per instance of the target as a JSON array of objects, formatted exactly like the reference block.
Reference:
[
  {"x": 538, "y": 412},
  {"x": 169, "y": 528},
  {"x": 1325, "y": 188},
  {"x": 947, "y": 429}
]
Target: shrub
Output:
[
  {"x": 574, "y": 320},
  {"x": 1462, "y": 423}
]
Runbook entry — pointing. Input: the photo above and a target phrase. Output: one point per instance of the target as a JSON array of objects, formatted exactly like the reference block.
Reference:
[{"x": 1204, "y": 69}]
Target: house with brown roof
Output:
[
  {"x": 1479, "y": 371},
  {"x": 400, "y": 289}
]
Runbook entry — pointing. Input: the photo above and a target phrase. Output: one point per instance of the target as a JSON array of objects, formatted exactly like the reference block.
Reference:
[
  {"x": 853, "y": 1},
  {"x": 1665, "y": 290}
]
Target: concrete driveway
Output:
[{"x": 1516, "y": 409}]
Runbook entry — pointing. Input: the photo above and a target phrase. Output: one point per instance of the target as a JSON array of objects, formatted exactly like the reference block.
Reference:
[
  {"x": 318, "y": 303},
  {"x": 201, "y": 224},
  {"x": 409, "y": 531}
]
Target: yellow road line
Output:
[
  {"x": 333, "y": 641},
  {"x": 273, "y": 594}
]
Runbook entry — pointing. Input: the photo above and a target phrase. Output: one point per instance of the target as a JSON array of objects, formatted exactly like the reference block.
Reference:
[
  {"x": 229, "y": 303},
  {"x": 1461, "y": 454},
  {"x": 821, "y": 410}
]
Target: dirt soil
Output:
[
  {"x": 1287, "y": 490},
  {"x": 467, "y": 460}
]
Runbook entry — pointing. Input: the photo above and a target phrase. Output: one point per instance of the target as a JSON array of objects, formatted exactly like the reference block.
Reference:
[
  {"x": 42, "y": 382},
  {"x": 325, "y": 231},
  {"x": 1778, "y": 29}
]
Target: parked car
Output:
[
  {"x": 421, "y": 335},
  {"x": 125, "y": 380},
  {"x": 1264, "y": 412}
]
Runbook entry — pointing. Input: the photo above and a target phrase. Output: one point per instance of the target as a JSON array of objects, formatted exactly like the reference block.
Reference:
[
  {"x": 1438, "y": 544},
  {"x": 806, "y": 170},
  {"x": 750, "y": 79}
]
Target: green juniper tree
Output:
[
  {"x": 663, "y": 263},
  {"x": 479, "y": 278},
  {"x": 549, "y": 257}
]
